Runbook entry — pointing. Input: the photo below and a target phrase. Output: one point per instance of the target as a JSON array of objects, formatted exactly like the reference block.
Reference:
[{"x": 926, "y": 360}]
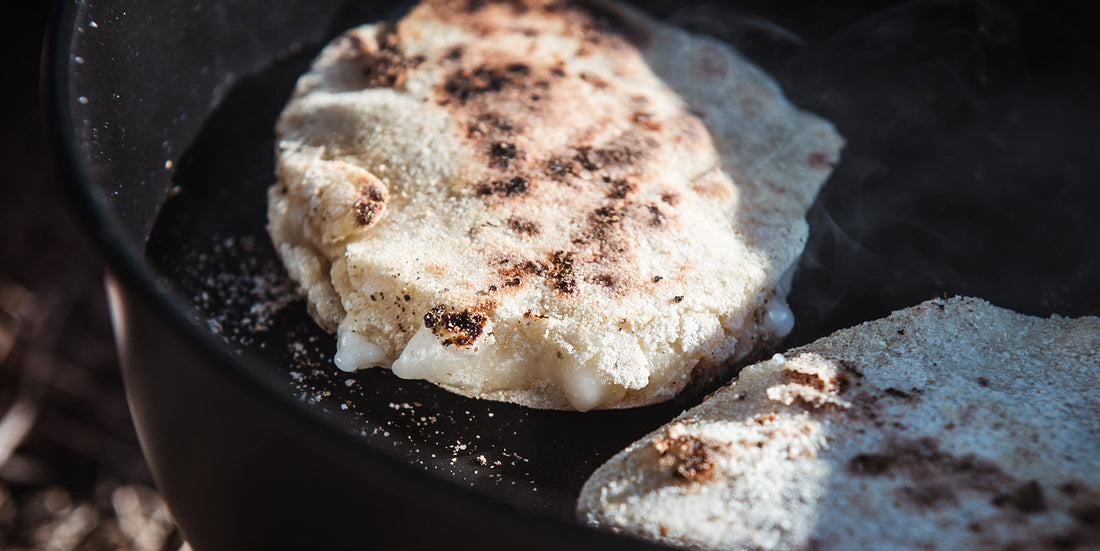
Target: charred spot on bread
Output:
[
  {"x": 523, "y": 226},
  {"x": 503, "y": 188},
  {"x": 561, "y": 271},
  {"x": 370, "y": 204},
  {"x": 386, "y": 66},
  {"x": 456, "y": 328},
  {"x": 687, "y": 456}
]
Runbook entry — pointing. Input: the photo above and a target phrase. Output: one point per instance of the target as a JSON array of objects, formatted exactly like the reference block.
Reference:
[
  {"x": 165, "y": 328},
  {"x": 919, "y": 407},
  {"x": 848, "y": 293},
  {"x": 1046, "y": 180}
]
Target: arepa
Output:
[
  {"x": 953, "y": 424},
  {"x": 559, "y": 204}
]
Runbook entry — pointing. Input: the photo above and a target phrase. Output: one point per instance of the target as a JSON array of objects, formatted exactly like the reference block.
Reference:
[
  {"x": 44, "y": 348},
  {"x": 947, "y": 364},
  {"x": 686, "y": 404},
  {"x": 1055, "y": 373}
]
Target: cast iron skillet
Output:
[{"x": 970, "y": 169}]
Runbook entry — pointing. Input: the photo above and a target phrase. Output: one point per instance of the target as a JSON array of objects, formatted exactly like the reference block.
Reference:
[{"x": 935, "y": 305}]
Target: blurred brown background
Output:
[{"x": 71, "y": 472}]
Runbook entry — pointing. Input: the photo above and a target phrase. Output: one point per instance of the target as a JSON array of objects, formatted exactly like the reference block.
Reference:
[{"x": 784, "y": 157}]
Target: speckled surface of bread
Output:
[
  {"x": 560, "y": 204},
  {"x": 949, "y": 425}
]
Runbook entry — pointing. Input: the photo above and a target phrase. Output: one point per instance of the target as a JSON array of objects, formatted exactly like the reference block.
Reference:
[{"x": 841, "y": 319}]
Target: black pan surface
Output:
[{"x": 971, "y": 168}]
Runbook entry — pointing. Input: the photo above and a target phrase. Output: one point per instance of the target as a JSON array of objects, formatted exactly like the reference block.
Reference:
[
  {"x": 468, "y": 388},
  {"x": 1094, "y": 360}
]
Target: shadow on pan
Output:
[{"x": 970, "y": 169}]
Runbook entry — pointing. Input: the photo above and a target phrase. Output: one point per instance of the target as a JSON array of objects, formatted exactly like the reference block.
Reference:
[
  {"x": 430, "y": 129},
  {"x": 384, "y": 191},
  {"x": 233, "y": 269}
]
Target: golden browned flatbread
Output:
[
  {"x": 559, "y": 204},
  {"x": 949, "y": 425}
]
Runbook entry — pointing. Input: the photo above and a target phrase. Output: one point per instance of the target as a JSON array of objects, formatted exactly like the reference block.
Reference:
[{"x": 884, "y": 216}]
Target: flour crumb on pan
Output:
[
  {"x": 949, "y": 425},
  {"x": 564, "y": 205}
]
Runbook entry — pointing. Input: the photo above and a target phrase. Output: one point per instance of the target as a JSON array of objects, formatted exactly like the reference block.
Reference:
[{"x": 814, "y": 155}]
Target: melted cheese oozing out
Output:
[
  {"x": 583, "y": 389},
  {"x": 354, "y": 352},
  {"x": 779, "y": 318},
  {"x": 425, "y": 357}
]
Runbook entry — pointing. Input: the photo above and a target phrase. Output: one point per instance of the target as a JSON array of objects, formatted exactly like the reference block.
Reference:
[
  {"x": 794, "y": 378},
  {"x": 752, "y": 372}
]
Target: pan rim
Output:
[{"x": 253, "y": 374}]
